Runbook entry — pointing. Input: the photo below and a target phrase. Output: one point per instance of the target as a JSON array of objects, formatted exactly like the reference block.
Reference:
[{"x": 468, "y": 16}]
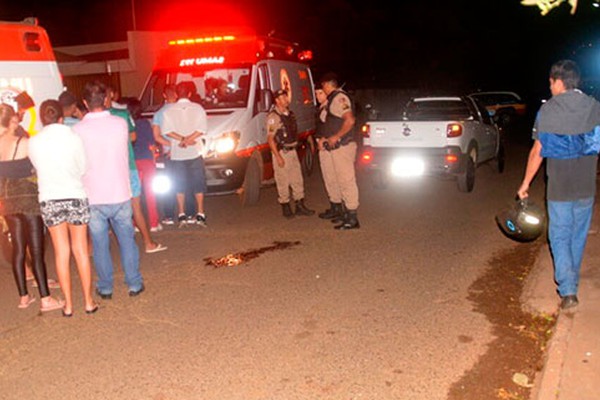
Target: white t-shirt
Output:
[
  {"x": 184, "y": 118},
  {"x": 58, "y": 156}
]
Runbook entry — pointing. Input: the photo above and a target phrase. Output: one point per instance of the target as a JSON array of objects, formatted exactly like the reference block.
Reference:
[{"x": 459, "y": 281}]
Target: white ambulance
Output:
[
  {"x": 234, "y": 76},
  {"x": 27, "y": 64}
]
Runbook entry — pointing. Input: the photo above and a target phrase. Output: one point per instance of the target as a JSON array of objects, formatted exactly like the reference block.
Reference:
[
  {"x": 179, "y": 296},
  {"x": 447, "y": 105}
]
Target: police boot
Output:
[
  {"x": 301, "y": 208},
  {"x": 341, "y": 217},
  {"x": 287, "y": 210},
  {"x": 333, "y": 211},
  {"x": 350, "y": 221}
]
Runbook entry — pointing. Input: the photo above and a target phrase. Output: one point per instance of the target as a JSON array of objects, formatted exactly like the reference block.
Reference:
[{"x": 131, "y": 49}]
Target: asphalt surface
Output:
[{"x": 376, "y": 313}]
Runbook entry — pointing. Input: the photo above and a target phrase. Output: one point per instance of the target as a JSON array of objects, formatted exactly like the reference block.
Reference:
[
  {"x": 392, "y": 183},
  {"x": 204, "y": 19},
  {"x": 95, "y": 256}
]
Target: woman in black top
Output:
[{"x": 20, "y": 208}]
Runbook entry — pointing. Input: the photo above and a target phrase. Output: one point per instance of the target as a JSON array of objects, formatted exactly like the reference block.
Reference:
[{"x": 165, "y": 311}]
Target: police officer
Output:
[
  {"x": 282, "y": 135},
  {"x": 337, "y": 153}
]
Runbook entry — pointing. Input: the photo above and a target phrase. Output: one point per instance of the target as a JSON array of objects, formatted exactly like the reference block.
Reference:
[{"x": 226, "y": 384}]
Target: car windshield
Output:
[
  {"x": 436, "y": 110},
  {"x": 497, "y": 98},
  {"x": 218, "y": 88}
]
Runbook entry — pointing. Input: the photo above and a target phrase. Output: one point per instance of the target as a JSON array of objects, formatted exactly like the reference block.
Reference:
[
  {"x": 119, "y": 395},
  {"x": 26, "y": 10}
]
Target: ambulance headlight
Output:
[
  {"x": 227, "y": 142},
  {"x": 161, "y": 184}
]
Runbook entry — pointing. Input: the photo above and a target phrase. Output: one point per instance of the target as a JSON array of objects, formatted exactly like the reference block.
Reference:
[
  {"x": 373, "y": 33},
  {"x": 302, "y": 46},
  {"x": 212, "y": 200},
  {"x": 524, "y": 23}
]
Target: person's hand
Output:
[
  {"x": 523, "y": 191},
  {"x": 280, "y": 162},
  {"x": 320, "y": 144},
  {"x": 332, "y": 141}
]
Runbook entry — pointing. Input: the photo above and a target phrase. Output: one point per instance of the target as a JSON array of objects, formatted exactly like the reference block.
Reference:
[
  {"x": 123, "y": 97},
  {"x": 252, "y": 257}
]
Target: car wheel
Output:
[
  {"x": 466, "y": 180},
  {"x": 308, "y": 160},
  {"x": 252, "y": 182}
]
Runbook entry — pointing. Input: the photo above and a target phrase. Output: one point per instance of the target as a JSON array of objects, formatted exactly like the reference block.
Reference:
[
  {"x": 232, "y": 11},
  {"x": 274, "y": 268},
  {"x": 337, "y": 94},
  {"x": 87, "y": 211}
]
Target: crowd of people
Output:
[
  {"x": 78, "y": 178},
  {"x": 89, "y": 171}
]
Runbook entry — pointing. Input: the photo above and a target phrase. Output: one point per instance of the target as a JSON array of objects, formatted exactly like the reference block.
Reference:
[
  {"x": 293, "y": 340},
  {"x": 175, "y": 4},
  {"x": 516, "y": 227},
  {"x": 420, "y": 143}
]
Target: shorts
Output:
[
  {"x": 188, "y": 175},
  {"x": 135, "y": 183},
  {"x": 71, "y": 211}
]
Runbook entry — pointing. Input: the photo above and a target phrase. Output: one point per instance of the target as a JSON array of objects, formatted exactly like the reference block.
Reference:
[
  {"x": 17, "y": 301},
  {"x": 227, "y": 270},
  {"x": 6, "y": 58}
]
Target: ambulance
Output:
[
  {"x": 235, "y": 75},
  {"x": 28, "y": 70}
]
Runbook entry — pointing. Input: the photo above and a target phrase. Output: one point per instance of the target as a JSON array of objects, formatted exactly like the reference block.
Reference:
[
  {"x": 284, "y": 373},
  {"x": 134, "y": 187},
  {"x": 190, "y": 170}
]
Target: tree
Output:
[{"x": 546, "y": 6}]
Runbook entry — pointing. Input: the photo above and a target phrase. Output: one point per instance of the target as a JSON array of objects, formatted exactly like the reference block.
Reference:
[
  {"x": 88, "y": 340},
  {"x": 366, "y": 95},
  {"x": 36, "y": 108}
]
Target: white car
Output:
[{"x": 447, "y": 136}]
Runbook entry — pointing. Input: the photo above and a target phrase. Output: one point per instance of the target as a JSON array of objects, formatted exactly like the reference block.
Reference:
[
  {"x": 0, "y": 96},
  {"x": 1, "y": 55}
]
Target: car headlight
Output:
[
  {"x": 161, "y": 184},
  {"x": 225, "y": 144}
]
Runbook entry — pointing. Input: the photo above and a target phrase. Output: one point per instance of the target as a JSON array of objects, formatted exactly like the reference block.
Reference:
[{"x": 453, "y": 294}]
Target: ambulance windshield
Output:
[{"x": 218, "y": 88}]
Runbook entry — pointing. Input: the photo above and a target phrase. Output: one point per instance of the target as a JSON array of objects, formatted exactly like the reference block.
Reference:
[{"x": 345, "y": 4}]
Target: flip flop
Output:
[
  {"x": 159, "y": 247},
  {"x": 54, "y": 305},
  {"x": 25, "y": 305}
]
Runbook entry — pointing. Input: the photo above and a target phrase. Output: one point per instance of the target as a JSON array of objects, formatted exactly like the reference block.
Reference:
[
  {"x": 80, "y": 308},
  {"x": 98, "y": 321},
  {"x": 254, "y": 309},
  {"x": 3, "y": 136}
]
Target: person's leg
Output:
[
  {"x": 343, "y": 163},
  {"x": 79, "y": 247},
  {"x": 329, "y": 178},
  {"x": 99, "y": 232},
  {"x": 582, "y": 218},
  {"x": 281, "y": 180},
  {"x": 16, "y": 227},
  {"x": 130, "y": 256},
  {"x": 560, "y": 232},
  {"x": 62, "y": 254},
  {"x": 147, "y": 171},
  {"x": 35, "y": 243},
  {"x": 140, "y": 222},
  {"x": 295, "y": 175}
]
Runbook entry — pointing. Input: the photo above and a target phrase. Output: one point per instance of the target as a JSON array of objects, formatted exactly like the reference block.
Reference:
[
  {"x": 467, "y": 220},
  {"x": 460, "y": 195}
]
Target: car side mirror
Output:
[{"x": 265, "y": 102}]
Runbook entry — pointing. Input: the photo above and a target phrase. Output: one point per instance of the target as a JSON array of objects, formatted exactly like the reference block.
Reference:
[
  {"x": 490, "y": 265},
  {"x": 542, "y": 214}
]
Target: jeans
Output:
[
  {"x": 118, "y": 216},
  {"x": 568, "y": 230}
]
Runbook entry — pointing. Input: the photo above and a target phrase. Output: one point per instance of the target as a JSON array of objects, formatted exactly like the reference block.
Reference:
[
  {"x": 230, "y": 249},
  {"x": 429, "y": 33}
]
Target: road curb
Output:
[{"x": 547, "y": 381}]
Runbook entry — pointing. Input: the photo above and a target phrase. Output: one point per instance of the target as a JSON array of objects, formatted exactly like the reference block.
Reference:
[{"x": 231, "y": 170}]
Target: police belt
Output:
[{"x": 288, "y": 147}]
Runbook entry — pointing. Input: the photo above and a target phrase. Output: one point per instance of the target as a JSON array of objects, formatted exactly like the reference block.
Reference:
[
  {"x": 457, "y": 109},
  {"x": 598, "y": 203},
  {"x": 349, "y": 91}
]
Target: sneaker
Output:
[
  {"x": 569, "y": 302},
  {"x": 168, "y": 221},
  {"x": 182, "y": 219},
  {"x": 156, "y": 228},
  {"x": 201, "y": 220}
]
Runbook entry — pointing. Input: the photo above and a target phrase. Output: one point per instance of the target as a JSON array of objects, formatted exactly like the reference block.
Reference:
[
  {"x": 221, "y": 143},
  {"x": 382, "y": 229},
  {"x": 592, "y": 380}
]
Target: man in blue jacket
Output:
[{"x": 567, "y": 134}]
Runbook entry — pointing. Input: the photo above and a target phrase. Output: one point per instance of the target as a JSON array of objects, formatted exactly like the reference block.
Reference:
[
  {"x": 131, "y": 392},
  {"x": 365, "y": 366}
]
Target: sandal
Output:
[
  {"x": 30, "y": 300},
  {"x": 159, "y": 247},
  {"x": 52, "y": 305}
]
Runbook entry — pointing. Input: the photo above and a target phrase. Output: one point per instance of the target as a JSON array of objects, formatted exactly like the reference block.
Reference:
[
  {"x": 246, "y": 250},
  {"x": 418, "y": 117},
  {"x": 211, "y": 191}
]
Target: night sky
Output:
[{"x": 431, "y": 45}]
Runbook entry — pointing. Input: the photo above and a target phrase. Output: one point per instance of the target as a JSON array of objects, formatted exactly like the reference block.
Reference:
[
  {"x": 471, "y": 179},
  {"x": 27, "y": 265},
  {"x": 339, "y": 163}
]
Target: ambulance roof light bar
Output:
[{"x": 210, "y": 39}]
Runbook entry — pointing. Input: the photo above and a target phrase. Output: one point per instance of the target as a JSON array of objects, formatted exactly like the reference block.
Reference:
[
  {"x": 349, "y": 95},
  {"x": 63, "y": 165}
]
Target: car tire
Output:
[
  {"x": 252, "y": 182},
  {"x": 466, "y": 180},
  {"x": 309, "y": 160}
]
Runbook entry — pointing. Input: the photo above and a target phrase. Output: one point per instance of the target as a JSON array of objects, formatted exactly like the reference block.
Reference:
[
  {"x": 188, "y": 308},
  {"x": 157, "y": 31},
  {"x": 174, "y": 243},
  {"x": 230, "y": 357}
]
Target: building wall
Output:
[{"x": 128, "y": 74}]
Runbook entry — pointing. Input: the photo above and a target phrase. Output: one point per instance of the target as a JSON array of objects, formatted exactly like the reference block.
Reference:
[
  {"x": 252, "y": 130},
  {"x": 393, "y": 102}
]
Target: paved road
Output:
[{"x": 376, "y": 313}]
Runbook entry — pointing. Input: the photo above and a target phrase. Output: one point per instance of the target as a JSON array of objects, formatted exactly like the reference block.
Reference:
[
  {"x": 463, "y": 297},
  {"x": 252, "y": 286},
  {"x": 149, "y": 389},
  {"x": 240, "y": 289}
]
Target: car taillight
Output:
[
  {"x": 366, "y": 130},
  {"x": 366, "y": 157},
  {"x": 454, "y": 130},
  {"x": 451, "y": 158}
]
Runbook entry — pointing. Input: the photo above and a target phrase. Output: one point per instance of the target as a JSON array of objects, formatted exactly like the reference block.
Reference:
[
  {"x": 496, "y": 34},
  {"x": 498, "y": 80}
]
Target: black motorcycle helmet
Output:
[{"x": 523, "y": 222}]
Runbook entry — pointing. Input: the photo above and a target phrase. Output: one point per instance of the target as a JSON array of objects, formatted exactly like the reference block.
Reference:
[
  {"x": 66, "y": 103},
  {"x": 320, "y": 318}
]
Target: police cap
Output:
[{"x": 278, "y": 93}]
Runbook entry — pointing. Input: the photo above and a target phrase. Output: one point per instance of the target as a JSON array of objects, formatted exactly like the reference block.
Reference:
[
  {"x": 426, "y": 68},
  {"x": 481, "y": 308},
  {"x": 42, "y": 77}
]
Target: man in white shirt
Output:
[{"x": 184, "y": 123}]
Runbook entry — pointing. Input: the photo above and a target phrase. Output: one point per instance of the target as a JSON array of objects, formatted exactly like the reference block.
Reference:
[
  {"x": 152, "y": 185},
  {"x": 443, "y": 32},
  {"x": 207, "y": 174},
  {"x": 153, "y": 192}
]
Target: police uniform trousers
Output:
[
  {"x": 337, "y": 167},
  {"x": 290, "y": 176}
]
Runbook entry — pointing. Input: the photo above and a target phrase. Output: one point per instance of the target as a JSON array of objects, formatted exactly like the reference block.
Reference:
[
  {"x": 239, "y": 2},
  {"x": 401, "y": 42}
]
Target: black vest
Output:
[
  {"x": 287, "y": 135},
  {"x": 333, "y": 123}
]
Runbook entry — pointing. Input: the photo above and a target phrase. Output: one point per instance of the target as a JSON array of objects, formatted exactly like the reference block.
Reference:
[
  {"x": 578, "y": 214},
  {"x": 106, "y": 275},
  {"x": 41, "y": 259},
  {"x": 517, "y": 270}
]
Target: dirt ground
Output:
[{"x": 521, "y": 337}]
